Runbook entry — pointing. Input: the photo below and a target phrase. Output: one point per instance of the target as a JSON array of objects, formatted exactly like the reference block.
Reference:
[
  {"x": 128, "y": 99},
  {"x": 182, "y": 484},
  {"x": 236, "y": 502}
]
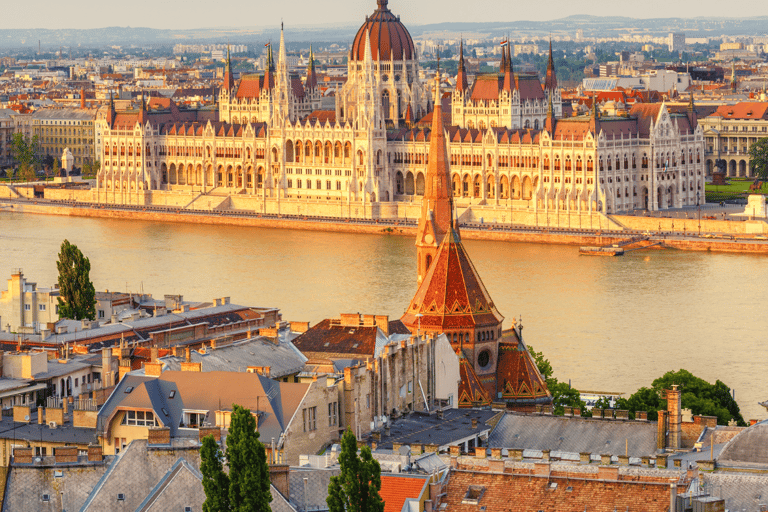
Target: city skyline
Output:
[{"x": 86, "y": 14}]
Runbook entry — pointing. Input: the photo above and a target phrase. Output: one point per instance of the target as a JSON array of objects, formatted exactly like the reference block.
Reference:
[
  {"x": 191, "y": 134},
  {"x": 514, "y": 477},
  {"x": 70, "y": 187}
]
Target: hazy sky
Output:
[{"x": 180, "y": 14}]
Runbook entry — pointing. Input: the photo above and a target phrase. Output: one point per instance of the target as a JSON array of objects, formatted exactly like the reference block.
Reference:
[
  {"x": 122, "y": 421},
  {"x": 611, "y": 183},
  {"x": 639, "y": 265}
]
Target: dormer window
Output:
[{"x": 139, "y": 419}]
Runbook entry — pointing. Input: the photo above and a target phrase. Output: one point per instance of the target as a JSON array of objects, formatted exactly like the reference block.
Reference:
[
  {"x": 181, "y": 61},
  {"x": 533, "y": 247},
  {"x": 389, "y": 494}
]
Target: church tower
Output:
[{"x": 437, "y": 202}]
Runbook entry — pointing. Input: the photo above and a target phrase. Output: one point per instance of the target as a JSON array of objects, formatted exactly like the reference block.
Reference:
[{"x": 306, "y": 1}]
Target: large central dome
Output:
[{"x": 389, "y": 38}]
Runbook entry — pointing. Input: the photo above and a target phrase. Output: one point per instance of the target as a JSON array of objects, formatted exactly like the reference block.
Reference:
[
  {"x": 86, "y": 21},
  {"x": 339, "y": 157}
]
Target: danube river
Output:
[{"x": 607, "y": 324}]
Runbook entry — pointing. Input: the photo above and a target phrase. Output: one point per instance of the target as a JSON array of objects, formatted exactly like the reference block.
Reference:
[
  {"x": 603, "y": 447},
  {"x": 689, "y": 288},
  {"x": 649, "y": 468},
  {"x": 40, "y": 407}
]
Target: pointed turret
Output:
[
  {"x": 269, "y": 70},
  {"x": 509, "y": 75},
  {"x": 550, "y": 83},
  {"x": 733, "y": 75},
  {"x": 111, "y": 112},
  {"x": 229, "y": 78},
  {"x": 503, "y": 65},
  {"x": 549, "y": 124},
  {"x": 311, "y": 74},
  {"x": 436, "y": 209},
  {"x": 461, "y": 77}
]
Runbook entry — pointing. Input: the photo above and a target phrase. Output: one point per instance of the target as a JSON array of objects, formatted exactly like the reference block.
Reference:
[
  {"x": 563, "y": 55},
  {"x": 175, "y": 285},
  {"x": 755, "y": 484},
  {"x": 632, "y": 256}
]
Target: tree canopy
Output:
[
  {"x": 563, "y": 395},
  {"x": 25, "y": 152},
  {"x": 698, "y": 395},
  {"x": 77, "y": 296},
  {"x": 246, "y": 487},
  {"x": 356, "y": 488},
  {"x": 758, "y": 158}
]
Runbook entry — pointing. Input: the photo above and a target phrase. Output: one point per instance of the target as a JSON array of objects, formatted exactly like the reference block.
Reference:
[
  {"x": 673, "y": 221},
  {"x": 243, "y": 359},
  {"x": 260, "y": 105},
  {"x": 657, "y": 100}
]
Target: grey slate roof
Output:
[
  {"x": 181, "y": 486},
  {"x": 740, "y": 491},
  {"x": 574, "y": 435},
  {"x": 423, "y": 428},
  {"x": 135, "y": 473},
  {"x": 749, "y": 449},
  {"x": 283, "y": 358},
  {"x": 207, "y": 391},
  {"x": 34, "y": 432}
]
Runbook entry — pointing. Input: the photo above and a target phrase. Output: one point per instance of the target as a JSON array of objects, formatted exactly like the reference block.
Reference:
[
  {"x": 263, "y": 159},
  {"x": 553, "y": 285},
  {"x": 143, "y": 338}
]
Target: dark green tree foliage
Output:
[
  {"x": 356, "y": 488},
  {"x": 563, "y": 395},
  {"x": 215, "y": 480},
  {"x": 698, "y": 395},
  {"x": 77, "y": 296},
  {"x": 247, "y": 461},
  {"x": 25, "y": 152},
  {"x": 758, "y": 158}
]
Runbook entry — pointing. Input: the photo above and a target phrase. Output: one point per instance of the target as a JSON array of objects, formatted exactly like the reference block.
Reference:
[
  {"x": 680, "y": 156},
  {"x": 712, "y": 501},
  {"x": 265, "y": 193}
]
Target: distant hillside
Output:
[{"x": 591, "y": 25}]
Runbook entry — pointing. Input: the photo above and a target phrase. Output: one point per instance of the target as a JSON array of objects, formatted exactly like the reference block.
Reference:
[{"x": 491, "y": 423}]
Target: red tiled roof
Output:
[
  {"x": 249, "y": 86},
  {"x": 334, "y": 338},
  {"x": 452, "y": 295},
  {"x": 472, "y": 393},
  {"x": 396, "y": 489},
  {"x": 744, "y": 110},
  {"x": 517, "y": 377},
  {"x": 486, "y": 88},
  {"x": 389, "y": 38},
  {"x": 516, "y": 492}
]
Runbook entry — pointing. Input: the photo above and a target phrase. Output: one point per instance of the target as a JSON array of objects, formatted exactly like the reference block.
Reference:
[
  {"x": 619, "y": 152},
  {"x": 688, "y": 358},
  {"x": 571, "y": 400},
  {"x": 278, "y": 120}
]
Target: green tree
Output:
[
  {"x": 758, "y": 158},
  {"x": 56, "y": 167},
  {"x": 356, "y": 488},
  {"x": 247, "y": 461},
  {"x": 215, "y": 480},
  {"x": 698, "y": 395},
  {"x": 544, "y": 366},
  {"x": 77, "y": 296},
  {"x": 563, "y": 395},
  {"x": 25, "y": 152}
]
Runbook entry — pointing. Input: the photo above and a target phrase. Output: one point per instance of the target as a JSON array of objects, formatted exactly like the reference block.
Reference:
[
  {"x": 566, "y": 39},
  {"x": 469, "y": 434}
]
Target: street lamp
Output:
[{"x": 698, "y": 207}]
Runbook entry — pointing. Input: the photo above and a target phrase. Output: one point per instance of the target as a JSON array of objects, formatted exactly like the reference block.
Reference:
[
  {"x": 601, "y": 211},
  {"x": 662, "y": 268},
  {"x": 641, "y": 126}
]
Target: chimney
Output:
[
  {"x": 474, "y": 422},
  {"x": 95, "y": 453},
  {"x": 154, "y": 353},
  {"x": 661, "y": 431},
  {"x": 40, "y": 415},
  {"x": 188, "y": 354},
  {"x": 382, "y": 322},
  {"x": 153, "y": 369},
  {"x": 674, "y": 408}
]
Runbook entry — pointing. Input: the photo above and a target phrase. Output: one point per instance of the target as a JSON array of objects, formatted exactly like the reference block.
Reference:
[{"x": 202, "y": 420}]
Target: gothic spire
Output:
[
  {"x": 509, "y": 76},
  {"x": 550, "y": 83},
  {"x": 229, "y": 79},
  {"x": 311, "y": 75},
  {"x": 461, "y": 76}
]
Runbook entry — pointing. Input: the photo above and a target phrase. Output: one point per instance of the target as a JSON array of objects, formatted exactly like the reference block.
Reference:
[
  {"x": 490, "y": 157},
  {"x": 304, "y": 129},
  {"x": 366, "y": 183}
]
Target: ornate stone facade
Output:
[{"x": 270, "y": 148}]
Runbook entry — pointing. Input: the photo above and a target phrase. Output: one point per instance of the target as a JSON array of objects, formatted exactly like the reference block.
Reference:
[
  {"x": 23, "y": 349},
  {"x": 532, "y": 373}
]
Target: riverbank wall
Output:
[{"x": 487, "y": 233}]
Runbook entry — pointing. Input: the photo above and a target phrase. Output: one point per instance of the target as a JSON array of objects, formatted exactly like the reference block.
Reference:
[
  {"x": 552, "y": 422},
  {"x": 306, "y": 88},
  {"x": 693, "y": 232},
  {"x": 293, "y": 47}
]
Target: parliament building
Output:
[{"x": 269, "y": 147}]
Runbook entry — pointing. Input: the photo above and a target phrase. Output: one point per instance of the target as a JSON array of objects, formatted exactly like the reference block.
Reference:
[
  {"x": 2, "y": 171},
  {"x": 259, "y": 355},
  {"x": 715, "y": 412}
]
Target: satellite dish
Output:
[{"x": 26, "y": 418}]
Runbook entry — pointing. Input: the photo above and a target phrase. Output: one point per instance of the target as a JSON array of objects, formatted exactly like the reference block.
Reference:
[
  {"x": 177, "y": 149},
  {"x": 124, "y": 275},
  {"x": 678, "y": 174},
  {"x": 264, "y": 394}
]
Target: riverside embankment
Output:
[{"x": 683, "y": 237}]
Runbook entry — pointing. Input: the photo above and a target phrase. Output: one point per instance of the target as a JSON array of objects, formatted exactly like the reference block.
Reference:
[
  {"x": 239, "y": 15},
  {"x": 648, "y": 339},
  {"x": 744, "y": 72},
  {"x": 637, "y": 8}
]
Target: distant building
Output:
[
  {"x": 61, "y": 128},
  {"x": 730, "y": 132},
  {"x": 676, "y": 42}
]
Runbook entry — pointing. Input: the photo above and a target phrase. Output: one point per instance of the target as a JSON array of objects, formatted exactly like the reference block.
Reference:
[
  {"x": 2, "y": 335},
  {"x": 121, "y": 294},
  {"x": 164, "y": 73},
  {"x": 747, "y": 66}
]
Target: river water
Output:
[{"x": 608, "y": 324}]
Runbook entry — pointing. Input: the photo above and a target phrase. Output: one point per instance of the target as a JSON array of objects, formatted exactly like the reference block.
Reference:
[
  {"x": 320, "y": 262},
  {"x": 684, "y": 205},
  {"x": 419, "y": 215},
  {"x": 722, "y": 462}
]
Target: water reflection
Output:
[{"x": 605, "y": 323}]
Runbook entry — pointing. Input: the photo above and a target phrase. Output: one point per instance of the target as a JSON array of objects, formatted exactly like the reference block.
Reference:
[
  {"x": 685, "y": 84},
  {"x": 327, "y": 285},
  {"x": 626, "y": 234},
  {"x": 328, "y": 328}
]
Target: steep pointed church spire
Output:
[
  {"x": 550, "y": 83},
  {"x": 311, "y": 74},
  {"x": 437, "y": 204},
  {"x": 509, "y": 75},
  {"x": 461, "y": 76},
  {"x": 229, "y": 79}
]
